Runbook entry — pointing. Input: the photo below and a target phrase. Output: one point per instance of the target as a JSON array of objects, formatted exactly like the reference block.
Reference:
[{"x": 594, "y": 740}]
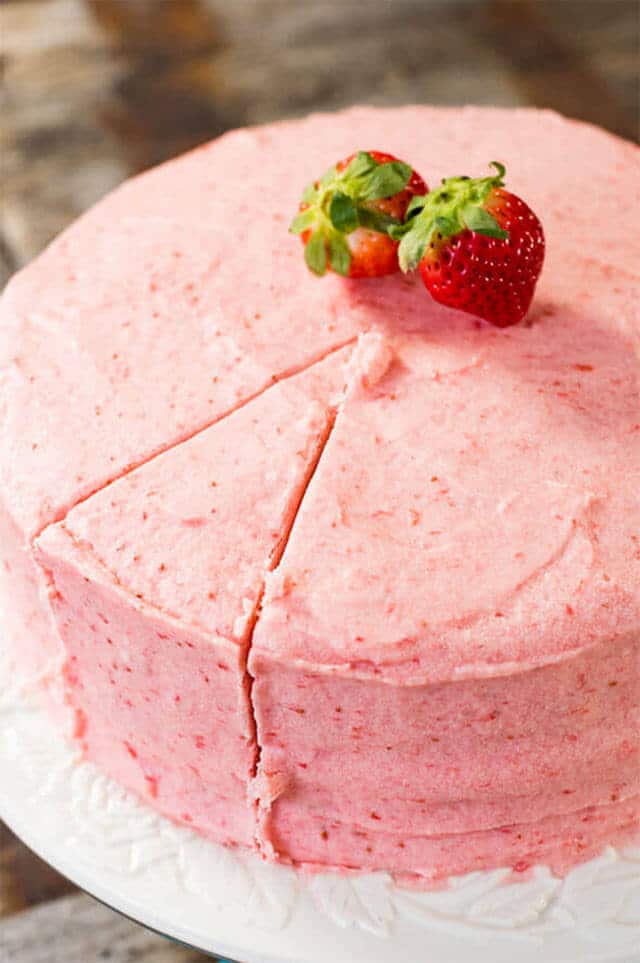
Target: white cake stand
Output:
[{"x": 234, "y": 905}]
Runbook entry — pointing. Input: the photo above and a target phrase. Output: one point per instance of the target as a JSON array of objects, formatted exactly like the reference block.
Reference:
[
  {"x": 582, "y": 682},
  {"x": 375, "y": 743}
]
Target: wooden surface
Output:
[
  {"x": 75, "y": 929},
  {"x": 94, "y": 90}
]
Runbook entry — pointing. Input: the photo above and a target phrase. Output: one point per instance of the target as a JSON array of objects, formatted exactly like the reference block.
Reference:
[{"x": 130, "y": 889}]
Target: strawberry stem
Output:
[
  {"x": 458, "y": 204},
  {"x": 502, "y": 170}
]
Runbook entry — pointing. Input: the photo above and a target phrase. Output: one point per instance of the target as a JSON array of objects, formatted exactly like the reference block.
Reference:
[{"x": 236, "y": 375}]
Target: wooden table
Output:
[{"x": 94, "y": 90}]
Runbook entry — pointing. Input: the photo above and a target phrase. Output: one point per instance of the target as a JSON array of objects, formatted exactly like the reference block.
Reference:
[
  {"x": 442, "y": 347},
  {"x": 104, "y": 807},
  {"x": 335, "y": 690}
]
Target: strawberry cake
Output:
[{"x": 319, "y": 566}]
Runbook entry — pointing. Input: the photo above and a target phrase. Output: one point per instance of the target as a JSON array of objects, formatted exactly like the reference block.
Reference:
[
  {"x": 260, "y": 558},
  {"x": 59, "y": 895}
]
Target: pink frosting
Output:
[
  {"x": 475, "y": 522},
  {"x": 155, "y": 583},
  {"x": 442, "y": 672}
]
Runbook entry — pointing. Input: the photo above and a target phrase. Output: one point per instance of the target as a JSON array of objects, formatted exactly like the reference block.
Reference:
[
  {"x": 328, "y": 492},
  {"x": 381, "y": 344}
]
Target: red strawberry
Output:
[
  {"x": 344, "y": 217},
  {"x": 479, "y": 248}
]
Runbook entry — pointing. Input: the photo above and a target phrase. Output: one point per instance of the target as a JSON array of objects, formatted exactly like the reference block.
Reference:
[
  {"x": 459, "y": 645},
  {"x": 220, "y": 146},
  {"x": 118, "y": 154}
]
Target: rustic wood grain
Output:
[
  {"x": 7, "y": 263},
  {"x": 162, "y": 104},
  {"x": 549, "y": 67},
  {"x": 76, "y": 929},
  {"x": 24, "y": 879},
  {"x": 10, "y": 897}
]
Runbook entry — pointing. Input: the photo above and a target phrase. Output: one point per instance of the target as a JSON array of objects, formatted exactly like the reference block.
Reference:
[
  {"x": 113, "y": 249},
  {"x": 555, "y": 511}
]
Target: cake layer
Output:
[
  {"x": 406, "y": 766},
  {"x": 558, "y": 842},
  {"x": 154, "y": 584},
  {"x": 160, "y": 706}
]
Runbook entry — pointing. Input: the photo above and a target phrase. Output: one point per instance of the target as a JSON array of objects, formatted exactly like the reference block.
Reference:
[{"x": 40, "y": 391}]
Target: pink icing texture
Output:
[{"x": 320, "y": 567}]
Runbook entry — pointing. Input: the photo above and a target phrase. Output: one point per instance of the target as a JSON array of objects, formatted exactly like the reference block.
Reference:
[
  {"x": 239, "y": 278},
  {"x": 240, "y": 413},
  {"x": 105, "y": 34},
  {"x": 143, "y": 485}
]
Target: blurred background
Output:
[{"x": 95, "y": 90}]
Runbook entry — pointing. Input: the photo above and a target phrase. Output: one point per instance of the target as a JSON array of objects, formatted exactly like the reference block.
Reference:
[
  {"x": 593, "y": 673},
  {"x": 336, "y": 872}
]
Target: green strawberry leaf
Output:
[
  {"x": 378, "y": 221},
  {"x": 328, "y": 178},
  {"x": 447, "y": 226},
  {"x": 398, "y": 230},
  {"x": 416, "y": 204},
  {"x": 303, "y": 221},
  {"x": 339, "y": 253},
  {"x": 315, "y": 253},
  {"x": 480, "y": 221},
  {"x": 414, "y": 244},
  {"x": 343, "y": 213},
  {"x": 361, "y": 165},
  {"x": 309, "y": 193},
  {"x": 384, "y": 181}
]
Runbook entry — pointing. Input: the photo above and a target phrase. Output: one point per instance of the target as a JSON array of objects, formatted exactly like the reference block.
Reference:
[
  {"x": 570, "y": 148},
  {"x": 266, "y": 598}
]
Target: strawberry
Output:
[
  {"x": 343, "y": 218},
  {"x": 478, "y": 247}
]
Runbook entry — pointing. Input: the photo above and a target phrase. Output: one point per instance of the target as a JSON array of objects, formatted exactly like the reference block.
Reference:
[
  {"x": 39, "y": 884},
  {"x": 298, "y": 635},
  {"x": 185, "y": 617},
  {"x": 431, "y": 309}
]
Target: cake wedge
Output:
[{"x": 154, "y": 586}]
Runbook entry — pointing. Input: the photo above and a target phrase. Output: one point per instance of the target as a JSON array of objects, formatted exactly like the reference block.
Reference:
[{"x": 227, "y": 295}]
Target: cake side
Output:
[{"x": 535, "y": 767}]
